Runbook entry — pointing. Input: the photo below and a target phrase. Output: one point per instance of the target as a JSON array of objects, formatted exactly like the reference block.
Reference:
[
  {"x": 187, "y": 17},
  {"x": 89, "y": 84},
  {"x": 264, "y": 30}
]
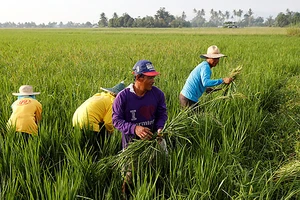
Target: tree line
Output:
[{"x": 164, "y": 19}]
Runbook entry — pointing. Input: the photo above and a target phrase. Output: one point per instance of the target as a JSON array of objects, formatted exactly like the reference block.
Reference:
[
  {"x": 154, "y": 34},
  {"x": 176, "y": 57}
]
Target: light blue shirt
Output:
[{"x": 198, "y": 81}]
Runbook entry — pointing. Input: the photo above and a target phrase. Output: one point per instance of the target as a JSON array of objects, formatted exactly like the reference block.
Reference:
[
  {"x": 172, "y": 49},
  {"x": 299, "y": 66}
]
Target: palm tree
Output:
[
  {"x": 234, "y": 14},
  {"x": 239, "y": 14}
]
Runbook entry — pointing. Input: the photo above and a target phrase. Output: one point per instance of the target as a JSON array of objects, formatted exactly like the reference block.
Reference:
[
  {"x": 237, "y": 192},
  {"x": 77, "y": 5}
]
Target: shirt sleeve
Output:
[
  {"x": 118, "y": 115},
  {"x": 205, "y": 74},
  {"x": 161, "y": 112},
  {"x": 38, "y": 113},
  {"x": 108, "y": 120}
]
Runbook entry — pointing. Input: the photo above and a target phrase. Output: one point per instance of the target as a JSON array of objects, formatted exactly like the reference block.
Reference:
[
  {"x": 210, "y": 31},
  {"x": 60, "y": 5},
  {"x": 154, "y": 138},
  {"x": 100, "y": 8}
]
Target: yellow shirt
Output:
[
  {"x": 95, "y": 110},
  {"x": 27, "y": 113}
]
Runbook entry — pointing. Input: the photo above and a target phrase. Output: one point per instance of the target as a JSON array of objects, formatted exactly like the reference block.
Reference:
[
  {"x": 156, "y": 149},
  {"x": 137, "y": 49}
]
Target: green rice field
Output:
[{"x": 242, "y": 146}]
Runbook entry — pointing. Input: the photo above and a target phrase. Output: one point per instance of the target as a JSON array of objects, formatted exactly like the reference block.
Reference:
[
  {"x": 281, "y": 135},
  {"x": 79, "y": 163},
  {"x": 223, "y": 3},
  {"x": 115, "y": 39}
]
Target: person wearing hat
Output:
[
  {"x": 26, "y": 112},
  {"x": 139, "y": 110},
  {"x": 199, "y": 80},
  {"x": 94, "y": 116}
]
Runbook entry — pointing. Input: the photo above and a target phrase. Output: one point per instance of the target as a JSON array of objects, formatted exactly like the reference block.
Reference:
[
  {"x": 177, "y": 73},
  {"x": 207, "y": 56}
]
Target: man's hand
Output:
[
  {"x": 143, "y": 132},
  {"x": 227, "y": 80},
  {"x": 159, "y": 135},
  {"x": 161, "y": 141},
  {"x": 159, "y": 132},
  {"x": 211, "y": 90}
]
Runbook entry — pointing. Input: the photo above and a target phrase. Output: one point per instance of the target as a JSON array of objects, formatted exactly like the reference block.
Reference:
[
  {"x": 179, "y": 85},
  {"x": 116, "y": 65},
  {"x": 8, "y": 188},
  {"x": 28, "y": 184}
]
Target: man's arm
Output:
[
  {"x": 161, "y": 116},
  {"x": 118, "y": 115}
]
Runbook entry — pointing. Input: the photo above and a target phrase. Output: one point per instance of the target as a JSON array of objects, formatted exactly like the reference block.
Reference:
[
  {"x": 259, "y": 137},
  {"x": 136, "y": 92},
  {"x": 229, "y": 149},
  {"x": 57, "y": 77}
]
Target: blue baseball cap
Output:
[{"x": 144, "y": 67}]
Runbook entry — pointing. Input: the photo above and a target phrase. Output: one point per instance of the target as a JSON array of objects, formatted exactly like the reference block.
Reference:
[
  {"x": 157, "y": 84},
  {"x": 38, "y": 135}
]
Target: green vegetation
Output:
[{"x": 235, "y": 148}]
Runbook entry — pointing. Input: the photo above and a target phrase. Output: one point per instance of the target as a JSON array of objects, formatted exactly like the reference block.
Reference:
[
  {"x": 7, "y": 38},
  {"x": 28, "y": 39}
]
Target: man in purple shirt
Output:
[{"x": 140, "y": 109}]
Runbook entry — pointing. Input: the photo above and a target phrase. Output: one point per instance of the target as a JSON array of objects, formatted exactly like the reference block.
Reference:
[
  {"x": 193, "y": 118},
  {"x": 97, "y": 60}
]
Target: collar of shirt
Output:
[
  {"x": 131, "y": 88},
  {"x": 26, "y": 96}
]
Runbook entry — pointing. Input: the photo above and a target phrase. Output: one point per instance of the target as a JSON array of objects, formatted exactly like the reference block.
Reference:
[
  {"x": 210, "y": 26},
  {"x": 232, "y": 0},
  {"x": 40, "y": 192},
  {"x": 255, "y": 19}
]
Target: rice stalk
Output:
[
  {"x": 288, "y": 172},
  {"x": 147, "y": 152},
  {"x": 235, "y": 72},
  {"x": 152, "y": 151},
  {"x": 179, "y": 130},
  {"x": 230, "y": 89}
]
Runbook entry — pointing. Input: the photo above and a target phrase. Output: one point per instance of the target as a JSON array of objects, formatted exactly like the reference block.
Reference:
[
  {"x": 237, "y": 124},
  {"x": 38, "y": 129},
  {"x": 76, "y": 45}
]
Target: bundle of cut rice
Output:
[
  {"x": 155, "y": 151},
  {"x": 288, "y": 172},
  {"x": 230, "y": 89}
]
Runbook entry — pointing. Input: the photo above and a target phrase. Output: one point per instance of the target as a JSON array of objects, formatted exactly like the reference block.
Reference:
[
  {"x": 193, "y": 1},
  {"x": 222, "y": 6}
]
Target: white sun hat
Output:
[
  {"x": 212, "y": 52},
  {"x": 26, "y": 90}
]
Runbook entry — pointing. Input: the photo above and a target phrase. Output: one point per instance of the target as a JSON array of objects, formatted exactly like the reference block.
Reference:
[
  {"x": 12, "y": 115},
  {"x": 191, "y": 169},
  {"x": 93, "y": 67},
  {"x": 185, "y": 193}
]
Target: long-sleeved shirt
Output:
[
  {"x": 130, "y": 110},
  {"x": 95, "y": 110},
  {"x": 198, "y": 81},
  {"x": 27, "y": 113}
]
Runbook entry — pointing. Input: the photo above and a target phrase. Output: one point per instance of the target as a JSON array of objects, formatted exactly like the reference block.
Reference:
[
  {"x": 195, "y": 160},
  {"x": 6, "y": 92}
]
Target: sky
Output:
[{"x": 82, "y": 11}]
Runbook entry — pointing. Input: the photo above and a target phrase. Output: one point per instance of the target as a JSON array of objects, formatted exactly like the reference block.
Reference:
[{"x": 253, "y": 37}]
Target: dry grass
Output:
[{"x": 293, "y": 31}]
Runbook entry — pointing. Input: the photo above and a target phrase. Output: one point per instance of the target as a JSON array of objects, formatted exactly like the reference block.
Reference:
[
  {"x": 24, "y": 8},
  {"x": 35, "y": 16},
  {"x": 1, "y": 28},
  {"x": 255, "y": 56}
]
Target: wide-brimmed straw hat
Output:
[
  {"x": 26, "y": 90},
  {"x": 116, "y": 89},
  {"x": 212, "y": 52}
]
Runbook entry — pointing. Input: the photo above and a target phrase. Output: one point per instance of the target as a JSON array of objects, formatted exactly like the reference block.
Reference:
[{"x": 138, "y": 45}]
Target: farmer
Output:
[
  {"x": 26, "y": 112},
  {"x": 94, "y": 116},
  {"x": 199, "y": 80},
  {"x": 139, "y": 110}
]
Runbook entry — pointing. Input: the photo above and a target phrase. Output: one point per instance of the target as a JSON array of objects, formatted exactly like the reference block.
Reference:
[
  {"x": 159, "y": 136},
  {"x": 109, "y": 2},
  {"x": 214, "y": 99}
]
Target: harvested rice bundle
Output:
[
  {"x": 288, "y": 172},
  {"x": 155, "y": 151},
  {"x": 230, "y": 89},
  {"x": 146, "y": 151},
  {"x": 235, "y": 72}
]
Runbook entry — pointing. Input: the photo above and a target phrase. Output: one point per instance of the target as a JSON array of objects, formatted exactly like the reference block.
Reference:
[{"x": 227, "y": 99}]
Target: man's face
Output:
[
  {"x": 213, "y": 62},
  {"x": 147, "y": 82}
]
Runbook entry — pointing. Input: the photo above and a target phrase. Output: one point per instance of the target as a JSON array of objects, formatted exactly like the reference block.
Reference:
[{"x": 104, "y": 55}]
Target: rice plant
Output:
[{"x": 230, "y": 89}]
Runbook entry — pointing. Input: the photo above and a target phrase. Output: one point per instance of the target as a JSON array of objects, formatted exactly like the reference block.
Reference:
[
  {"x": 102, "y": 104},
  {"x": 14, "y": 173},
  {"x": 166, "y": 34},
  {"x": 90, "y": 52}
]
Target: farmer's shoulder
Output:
[
  {"x": 203, "y": 64},
  {"x": 123, "y": 93},
  {"x": 156, "y": 90}
]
